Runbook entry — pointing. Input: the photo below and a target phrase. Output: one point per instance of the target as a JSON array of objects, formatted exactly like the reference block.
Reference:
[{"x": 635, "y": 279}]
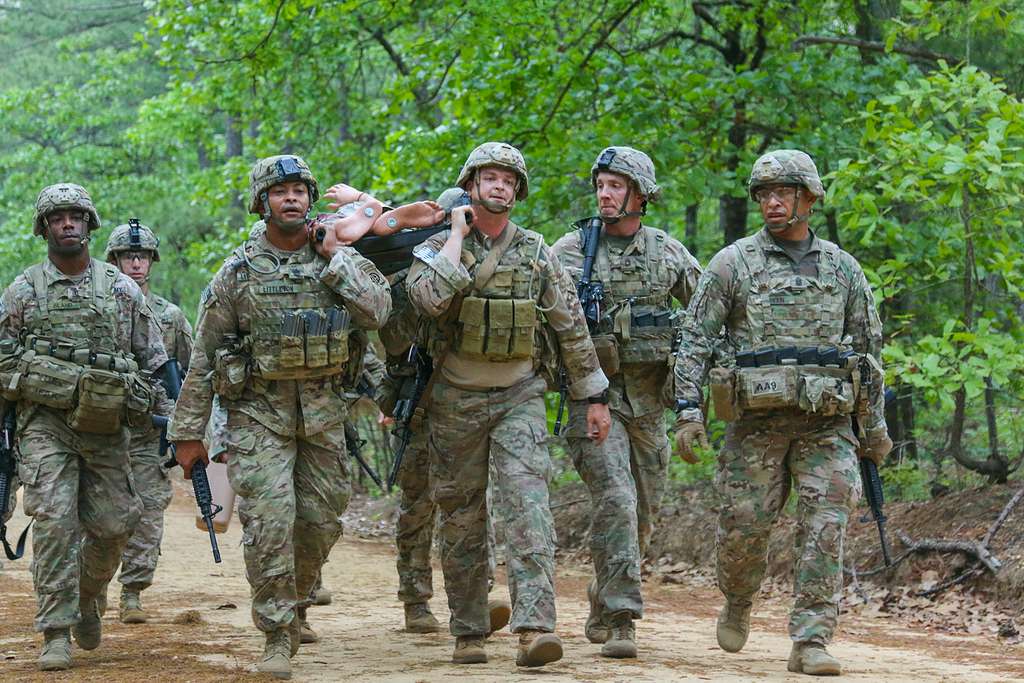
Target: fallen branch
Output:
[
  {"x": 1007, "y": 509},
  {"x": 974, "y": 550}
]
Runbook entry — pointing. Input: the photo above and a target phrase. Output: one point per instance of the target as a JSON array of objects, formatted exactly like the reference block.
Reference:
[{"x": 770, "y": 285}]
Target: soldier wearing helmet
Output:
[
  {"x": 133, "y": 248},
  {"x": 799, "y": 360},
  {"x": 637, "y": 271},
  {"x": 82, "y": 334},
  {"x": 498, "y": 303},
  {"x": 281, "y": 331}
]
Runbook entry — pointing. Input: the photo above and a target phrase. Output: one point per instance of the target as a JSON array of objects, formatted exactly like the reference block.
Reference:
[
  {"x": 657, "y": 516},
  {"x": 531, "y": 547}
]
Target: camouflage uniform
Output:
[
  {"x": 766, "y": 300},
  {"x": 141, "y": 554},
  {"x": 78, "y": 485},
  {"x": 640, "y": 276},
  {"x": 505, "y": 425},
  {"x": 285, "y": 415}
]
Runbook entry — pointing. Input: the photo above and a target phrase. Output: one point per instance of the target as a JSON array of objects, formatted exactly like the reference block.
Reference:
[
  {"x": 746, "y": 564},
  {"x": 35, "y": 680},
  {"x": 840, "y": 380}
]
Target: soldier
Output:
[
  {"x": 84, "y": 333},
  {"x": 637, "y": 270},
  {"x": 273, "y": 342},
  {"x": 414, "y": 530},
  {"x": 133, "y": 248},
  {"x": 801, "y": 354},
  {"x": 497, "y": 297}
]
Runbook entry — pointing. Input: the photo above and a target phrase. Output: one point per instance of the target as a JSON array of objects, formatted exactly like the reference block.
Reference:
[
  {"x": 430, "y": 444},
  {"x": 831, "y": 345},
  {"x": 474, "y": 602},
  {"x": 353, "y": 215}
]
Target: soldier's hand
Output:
[
  {"x": 875, "y": 445},
  {"x": 688, "y": 435},
  {"x": 462, "y": 219},
  {"x": 187, "y": 453},
  {"x": 384, "y": 420},
  {"x": 599, "y": 421}
]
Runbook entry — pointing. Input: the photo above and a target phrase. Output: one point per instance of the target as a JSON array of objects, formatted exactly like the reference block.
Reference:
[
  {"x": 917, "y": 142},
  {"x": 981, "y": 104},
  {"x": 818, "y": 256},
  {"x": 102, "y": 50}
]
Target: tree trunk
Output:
[{"x": 691, "y": 228}]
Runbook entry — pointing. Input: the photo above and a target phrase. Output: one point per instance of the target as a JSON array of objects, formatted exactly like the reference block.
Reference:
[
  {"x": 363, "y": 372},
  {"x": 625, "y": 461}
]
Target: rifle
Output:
[
  {"x": 200, "y": 482},
  {"x": 409, "y": 396},
  {"x": 354, "y": 445},
  {"x": 590, "y": 294},
  {"x": 6, "y": 475},
  {"x": 871, "y": 481}
]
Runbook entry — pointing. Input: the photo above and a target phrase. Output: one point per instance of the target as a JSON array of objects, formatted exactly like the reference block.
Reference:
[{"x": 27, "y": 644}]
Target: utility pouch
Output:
[
  {"x": 139, "y": 402},
  {"x": 826, "y": 395},
  {"x": 47, "y": 381},
  {"x": 102, "y": 396},
  {"x": 316, "y": 339},
  {"x": 499, "y": 329},
  {"x": 473, "y": 320},
  {"x": 10, "y": 361},
  {"x": 525, "y": 324},
  {"x": 722, "y": 382},
  {"x": 767, "y": 388},
  {"x": 607, "y": 354},
  {"x": 230, "y": 371},
  {"x": 337, "y": 335}
]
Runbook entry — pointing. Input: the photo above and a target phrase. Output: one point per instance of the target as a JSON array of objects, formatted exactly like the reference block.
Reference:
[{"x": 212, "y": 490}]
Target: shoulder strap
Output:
[
  {"x": 490, "y": 263},
  {"x": 37, "y": 278}
]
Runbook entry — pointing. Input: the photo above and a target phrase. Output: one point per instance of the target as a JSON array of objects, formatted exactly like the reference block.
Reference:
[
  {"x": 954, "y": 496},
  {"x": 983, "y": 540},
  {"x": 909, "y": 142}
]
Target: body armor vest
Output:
[
  {"x": 637, "y": 326},
  {"x": 794, "y": 358},
  {"x": 70, "y": 360},
  {"x": 296, "y": 329},
  {"x": 498, "y": 321}
]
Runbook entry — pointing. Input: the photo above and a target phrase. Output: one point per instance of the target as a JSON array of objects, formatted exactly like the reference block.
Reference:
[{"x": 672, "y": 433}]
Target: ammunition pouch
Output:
[
  {"x": 102, "y": 400},
  {"x": 306, "y": 345},
  {"x": 644, "y": 337},
  {"x": 230, "y": 371},
  {"x": 607, "y": 349},
  {"x": 497, "y": 329},
  {"x": 812, "y": 389}
]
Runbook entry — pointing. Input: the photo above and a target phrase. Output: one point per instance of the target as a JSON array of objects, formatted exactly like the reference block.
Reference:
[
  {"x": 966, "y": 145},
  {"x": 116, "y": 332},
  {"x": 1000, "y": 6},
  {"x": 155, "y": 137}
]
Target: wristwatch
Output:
[{"x": 599, "y": 399}]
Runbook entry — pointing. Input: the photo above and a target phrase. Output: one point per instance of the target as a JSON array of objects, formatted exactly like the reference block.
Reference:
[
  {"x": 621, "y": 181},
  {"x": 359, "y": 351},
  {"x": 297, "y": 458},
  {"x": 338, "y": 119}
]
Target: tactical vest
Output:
[
  {"x": 637, "y": 326},
  {"x": 160, "y": 307},
  {"x": 296, "y": 329},
  {"x": 70, "y": 360},
  {"x": 498, "y": 321},
  {"x": 796, "y": 321}
]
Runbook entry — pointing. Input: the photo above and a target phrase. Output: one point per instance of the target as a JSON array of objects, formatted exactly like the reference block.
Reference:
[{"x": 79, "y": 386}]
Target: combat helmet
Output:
[
  {"x": 498, "y": 154},
  {"x": 451, "y": 198},
  {"x": 277, "y": 169},
  {"x": 132, "y": 236},
  {"x": 59, "y": 197},
  {"x": 785, "y": 167},
  {"x": 631, "y": 163}
]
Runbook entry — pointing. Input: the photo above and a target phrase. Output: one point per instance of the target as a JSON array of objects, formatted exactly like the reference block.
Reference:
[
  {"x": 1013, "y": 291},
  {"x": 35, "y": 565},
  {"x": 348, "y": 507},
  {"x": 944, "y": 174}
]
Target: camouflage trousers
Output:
[
  {"x": 414, "y": 531},
  {"x": 760, "y": 460},
  {"x": 293, "y": 492},
  {"x": 140, "y": 556},
  {"x": 605, "y": 469},
  {"x": 80, "y": 492},
  {"x": 470, "y": 432},
  {"x": 649, "y": 452}
]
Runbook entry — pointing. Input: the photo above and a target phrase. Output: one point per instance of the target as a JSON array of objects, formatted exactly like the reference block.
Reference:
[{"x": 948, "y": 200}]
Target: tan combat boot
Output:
[
  {"x": 537, "y": 648},
  {"x": 131, "y": 611},
  {"x": 275, "y": 655},
  {"x": 306, "y": 633},
  {"x": 734, "y": 624},
  {"x": 469, "y": 650},
  {"x": 419, "y": 618},
  {"x": 88, "y": 631},
  {"x": 811, "y": 658},
  {"x": 322, "y": 596},
  {"x": 596, "y": 630},
  {"x": 499, "y": 612},
  {"x": 621, "y": 642},
  {"x": 56, "y": 654}
]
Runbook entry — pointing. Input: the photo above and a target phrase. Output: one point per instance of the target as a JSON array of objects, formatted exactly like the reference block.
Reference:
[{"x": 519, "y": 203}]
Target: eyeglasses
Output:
[
  {"x": 129, "y": 256},
  {"x": 783, "y": 194}
]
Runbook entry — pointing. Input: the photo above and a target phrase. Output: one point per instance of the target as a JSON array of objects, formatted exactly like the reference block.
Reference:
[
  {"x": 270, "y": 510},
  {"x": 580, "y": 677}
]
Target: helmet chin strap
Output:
[
  {"x": 612, "y": 220},
  {"x": 794, "y": 217},
  {"x": 268, "y": 214},
  {"x": 491, "y": 205}
]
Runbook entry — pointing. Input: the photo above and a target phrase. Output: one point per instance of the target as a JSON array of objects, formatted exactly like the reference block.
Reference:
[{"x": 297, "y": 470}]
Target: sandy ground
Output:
[{"x": 361, "y": 637}]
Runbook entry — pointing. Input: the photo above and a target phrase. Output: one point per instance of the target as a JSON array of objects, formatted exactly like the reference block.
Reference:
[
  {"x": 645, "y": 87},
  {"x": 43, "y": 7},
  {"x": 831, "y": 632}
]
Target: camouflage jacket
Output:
[
  {"x": 637, "y": 388},
  {"x": 287, "y": 407},
  {"x": 434, "y": 281},
  {"x": 134, "y": 326},
  {"x": 177, "y": 332},
  {"x": 754, "y": 274}
]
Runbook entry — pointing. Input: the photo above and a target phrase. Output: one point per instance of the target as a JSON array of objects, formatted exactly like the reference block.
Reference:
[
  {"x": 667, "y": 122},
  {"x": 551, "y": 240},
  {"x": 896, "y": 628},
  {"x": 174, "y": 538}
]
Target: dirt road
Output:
[{"x": 362, "y": 640}]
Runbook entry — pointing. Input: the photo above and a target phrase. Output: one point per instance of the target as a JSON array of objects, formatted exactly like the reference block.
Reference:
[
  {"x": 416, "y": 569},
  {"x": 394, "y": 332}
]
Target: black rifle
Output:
[
  {"x": 590, "y": 294},
  {"x": 353, "y": 444},
  {"x": 871, "y": 480},
  {"x": 409, "y": 395},
  {"x": 7, "y": 466}
]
